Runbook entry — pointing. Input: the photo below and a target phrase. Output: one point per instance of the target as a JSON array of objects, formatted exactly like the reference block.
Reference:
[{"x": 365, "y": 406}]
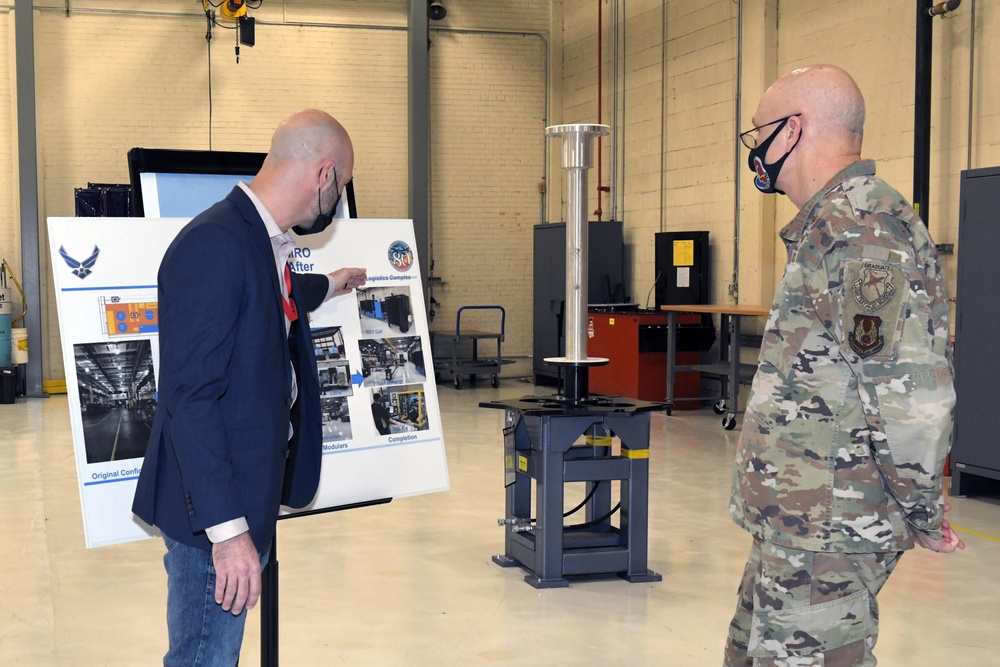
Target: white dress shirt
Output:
[{"x": 282, "y": 244}]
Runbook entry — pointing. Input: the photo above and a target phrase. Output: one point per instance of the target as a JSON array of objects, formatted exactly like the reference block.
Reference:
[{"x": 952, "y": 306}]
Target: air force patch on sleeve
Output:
[
  {"x": 866, "y": 338},
  {"x": 872, "y": 307}
]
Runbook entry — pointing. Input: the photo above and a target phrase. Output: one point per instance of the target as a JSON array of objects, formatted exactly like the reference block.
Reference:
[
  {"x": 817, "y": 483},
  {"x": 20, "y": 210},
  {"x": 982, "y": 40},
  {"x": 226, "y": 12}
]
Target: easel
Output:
[{"x": 269, "y": 586}]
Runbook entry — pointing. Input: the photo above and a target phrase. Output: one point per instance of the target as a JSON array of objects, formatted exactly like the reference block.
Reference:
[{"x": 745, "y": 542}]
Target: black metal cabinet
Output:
[
  {"x": 975, "y": 453},
  {"x": 397, "y": 311},
  {"x": 683, "y": 268},
  {"x": 605, "y": 284}
]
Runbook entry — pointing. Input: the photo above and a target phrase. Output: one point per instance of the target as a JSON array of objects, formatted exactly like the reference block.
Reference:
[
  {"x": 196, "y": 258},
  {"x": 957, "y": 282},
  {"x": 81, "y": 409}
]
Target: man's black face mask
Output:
[
  {"x": 322, "y": 220},
  {"x": 766, "y": 178}
]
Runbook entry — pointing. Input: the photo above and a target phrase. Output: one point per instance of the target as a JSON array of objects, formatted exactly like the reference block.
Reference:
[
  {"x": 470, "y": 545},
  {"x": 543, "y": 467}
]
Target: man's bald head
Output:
[
  {"x": 823, "y": 114},
  {"x": 826, "y": 96},
  {"x": 309, "y": 136},
  {"x": 310, "y": 161}
]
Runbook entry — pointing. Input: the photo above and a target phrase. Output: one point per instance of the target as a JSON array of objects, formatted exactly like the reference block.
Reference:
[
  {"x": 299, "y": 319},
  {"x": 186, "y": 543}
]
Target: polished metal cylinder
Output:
[{"x": 577, "y": 156}]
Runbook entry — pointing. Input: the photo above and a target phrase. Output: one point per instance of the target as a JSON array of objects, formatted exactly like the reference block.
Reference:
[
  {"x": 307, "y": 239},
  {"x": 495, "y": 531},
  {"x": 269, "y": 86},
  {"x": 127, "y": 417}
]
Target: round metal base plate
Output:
[{"x": 589, "y": 361}]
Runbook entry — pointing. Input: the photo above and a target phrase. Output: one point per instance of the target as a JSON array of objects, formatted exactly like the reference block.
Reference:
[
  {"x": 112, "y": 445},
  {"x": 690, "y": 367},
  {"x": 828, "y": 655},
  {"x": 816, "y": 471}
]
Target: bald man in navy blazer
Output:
[{"x": 238, "y": 428}]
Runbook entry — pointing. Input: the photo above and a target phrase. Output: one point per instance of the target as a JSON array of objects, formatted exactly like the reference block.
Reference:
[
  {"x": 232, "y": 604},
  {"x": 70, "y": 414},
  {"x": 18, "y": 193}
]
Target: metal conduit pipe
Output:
[
  {"x": 612, "y": 188},
  {"x": 922, "y": 108},
  {"x": 617, "y": 188},
  {"x": 734, "y": 288},
  {"x": 127, "y": 12},
  {"x": 620, "y": 184},
  {"x": 923, "y": 72},
  {"x": 600, "y": 102},
  {"x": 972, "y": 79},
  {"x": 663, "y": 120}
]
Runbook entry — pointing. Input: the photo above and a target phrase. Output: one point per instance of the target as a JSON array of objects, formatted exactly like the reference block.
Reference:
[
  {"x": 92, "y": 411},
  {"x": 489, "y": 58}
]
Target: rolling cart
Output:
[
  {"x": 728, "y": 369},
  {"x": 450, "y": 347}
]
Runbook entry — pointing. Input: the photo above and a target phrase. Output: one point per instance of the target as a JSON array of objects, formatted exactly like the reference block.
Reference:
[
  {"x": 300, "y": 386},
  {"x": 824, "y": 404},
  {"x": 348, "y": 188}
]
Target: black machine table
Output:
[{"x": 540, "y": 444}]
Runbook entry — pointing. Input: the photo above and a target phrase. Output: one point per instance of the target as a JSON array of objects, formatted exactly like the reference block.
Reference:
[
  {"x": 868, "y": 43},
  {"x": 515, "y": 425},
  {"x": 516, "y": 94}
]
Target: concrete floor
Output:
[{"x": 411, "y": 582}]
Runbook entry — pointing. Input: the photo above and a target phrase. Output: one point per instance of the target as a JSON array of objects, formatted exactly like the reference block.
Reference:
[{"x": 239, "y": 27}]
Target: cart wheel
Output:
[
  {"x": 458, "y": 382},
  {"x": 729, "y": 422},
  {"x": 670, "y": 410},
  {"x": 495, "y": 381},
  {"x": 720, "y": 408}
]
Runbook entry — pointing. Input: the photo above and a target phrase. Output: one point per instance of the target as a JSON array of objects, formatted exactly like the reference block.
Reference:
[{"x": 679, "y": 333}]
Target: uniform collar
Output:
[{"x": 794, "y": 230}]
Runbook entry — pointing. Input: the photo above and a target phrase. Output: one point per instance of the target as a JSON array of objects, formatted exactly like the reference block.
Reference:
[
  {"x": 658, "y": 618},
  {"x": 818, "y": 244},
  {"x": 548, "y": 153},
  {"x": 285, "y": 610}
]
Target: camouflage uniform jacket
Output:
[{"x": 849, "y": 418}]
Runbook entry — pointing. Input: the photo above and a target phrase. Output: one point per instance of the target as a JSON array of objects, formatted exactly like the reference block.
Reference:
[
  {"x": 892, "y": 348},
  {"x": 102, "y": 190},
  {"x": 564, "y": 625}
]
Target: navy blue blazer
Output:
[{"x": 219, "y": 447}]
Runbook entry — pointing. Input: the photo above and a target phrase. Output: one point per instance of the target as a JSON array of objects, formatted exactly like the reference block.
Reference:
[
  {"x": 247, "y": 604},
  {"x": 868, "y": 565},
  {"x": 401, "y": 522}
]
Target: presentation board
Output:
[{"x": 382, "y": 433}]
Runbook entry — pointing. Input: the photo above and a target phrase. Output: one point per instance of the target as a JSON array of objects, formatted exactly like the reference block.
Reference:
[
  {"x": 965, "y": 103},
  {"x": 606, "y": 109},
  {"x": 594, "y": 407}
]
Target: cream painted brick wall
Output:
[
  {"x": 513, "y": 15},
  {"x": 699, "y": 124},
  {"x": 701, "y": 90},
  {"x": 487, "y": 127},
  {"x": 109, "y": 81},
  {"x": 874, "y": 41}
]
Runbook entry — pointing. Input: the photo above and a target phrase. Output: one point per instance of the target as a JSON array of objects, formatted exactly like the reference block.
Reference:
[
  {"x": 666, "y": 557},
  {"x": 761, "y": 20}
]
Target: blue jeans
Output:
[{"x": 201, "y": 634}]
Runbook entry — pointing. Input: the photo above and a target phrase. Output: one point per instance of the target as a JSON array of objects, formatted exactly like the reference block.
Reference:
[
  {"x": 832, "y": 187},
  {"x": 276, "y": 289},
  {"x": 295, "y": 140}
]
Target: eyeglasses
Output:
[{"x": 749, "y": 139}]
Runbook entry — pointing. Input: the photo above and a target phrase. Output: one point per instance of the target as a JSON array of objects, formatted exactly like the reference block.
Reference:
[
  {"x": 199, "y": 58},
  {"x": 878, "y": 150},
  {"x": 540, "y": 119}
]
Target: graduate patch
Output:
[
  {"x": 874, "y": 288},
  {"x": 872, "y": 307},
  {"x": 866, "y": 339}
]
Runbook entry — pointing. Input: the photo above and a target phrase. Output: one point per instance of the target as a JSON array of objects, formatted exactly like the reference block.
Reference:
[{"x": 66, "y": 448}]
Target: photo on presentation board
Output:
[
  {"x": 117, "y": 398},
  {"x": 129, "y": 318},
  {"x": 331, "y": 362},
  {"x": 399, "y": 409},
  {"x": 384, "y": 310},
  {"x": 386, "y": 361},
  {"x": 336, "y": 419}
]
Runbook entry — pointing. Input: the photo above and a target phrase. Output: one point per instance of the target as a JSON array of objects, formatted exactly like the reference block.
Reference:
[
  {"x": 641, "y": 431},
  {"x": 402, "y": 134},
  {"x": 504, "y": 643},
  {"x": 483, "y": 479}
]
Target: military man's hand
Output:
[
  {"x": 949, "y": 541},
  {"x": 237, "y": 573}
]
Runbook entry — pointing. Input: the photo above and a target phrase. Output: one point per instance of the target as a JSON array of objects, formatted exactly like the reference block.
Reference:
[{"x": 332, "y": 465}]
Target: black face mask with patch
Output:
[{"x": 767, "y": 174}]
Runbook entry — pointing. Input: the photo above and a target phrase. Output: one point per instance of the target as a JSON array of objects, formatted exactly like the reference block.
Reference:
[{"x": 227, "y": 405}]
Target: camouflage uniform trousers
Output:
[{"x": 807, "y": 609}]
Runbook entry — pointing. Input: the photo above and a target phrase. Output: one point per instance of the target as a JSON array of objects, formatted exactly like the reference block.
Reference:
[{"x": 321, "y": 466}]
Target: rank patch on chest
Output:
[
  {"x": 873, "y": 288},
  {"x": 866, "y": 339}
]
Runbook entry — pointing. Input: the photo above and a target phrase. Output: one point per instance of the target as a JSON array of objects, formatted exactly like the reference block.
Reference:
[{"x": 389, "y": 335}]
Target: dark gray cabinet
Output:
[
  {"x": 605, "y": 284},
  {"x": 975, "y": 454}
]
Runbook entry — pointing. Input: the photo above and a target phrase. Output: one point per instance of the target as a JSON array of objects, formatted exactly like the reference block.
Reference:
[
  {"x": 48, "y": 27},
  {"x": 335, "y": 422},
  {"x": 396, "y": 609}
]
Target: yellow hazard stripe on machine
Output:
[{"x": 635, "y": 453}]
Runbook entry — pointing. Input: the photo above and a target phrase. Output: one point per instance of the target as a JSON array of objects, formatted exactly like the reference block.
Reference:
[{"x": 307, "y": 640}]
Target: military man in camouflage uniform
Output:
[{"x": 839, "y": 464}]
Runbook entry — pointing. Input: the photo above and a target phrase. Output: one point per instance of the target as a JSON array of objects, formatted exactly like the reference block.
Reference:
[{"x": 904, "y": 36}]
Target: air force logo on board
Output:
[
  {"x": 400, "y": 256},
  {"x": 81, "y": 269}
]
